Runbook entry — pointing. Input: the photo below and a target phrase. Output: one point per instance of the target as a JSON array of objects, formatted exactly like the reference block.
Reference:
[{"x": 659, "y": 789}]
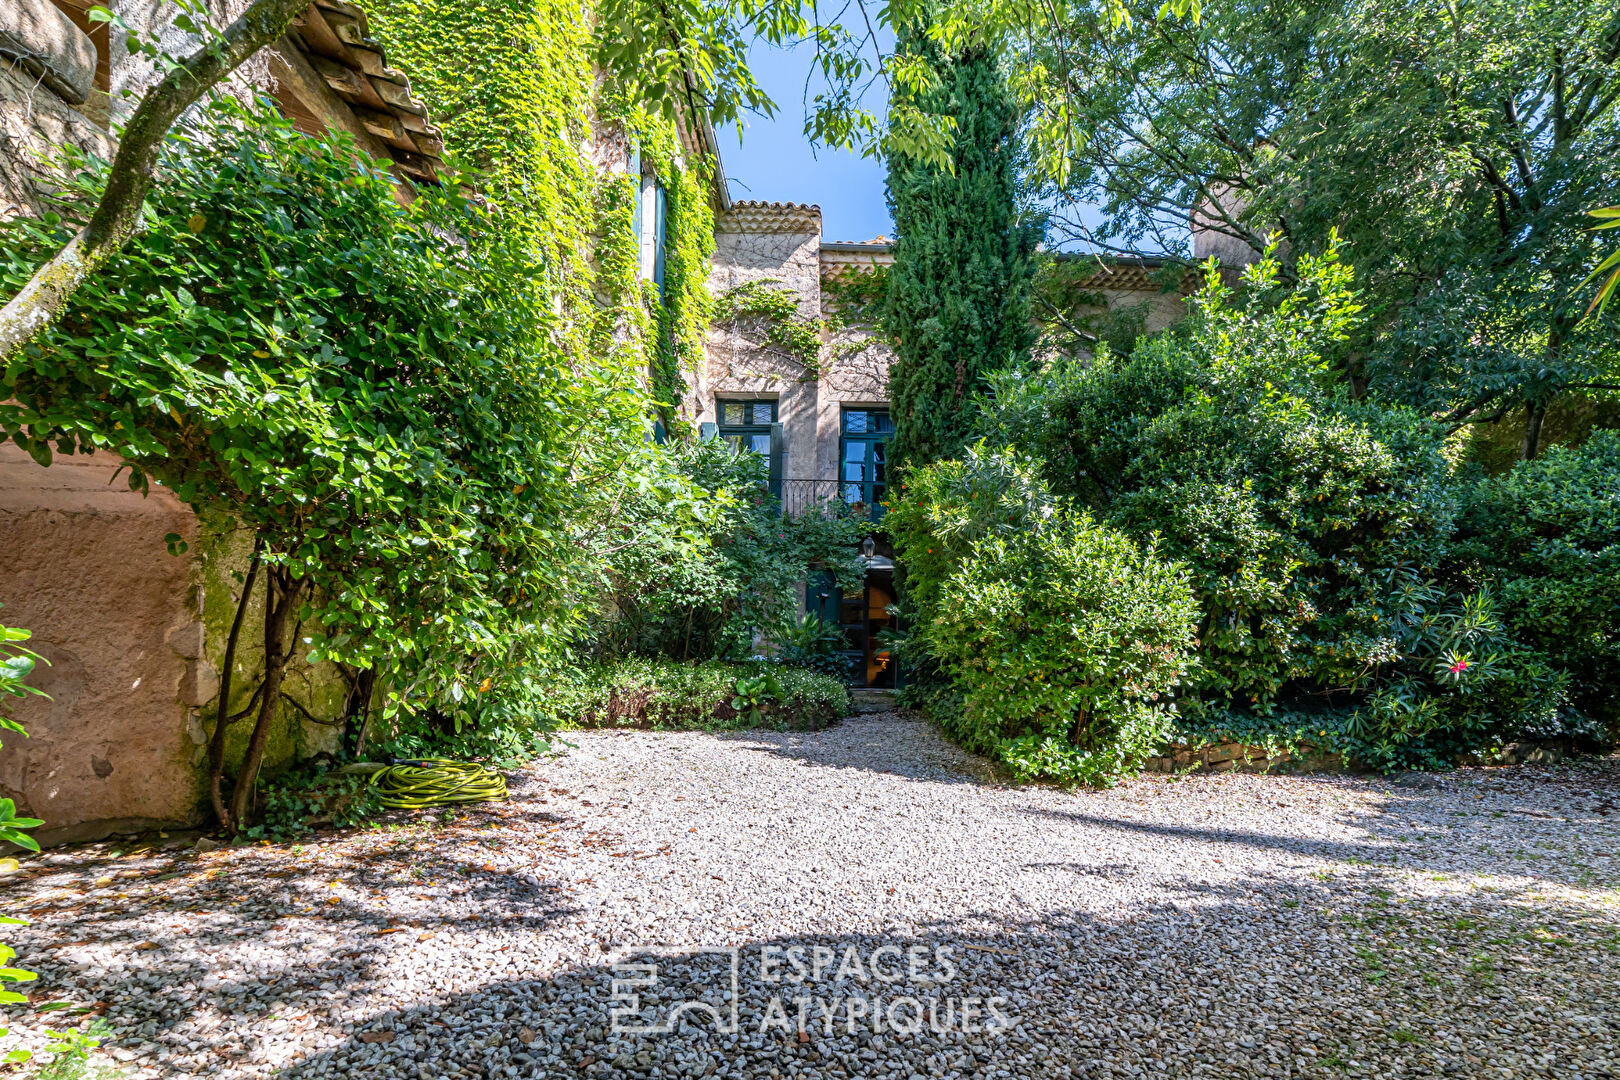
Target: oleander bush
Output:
[
  {"x": 1547, "y": 536},
  {"x": 1345, "y": 578}
]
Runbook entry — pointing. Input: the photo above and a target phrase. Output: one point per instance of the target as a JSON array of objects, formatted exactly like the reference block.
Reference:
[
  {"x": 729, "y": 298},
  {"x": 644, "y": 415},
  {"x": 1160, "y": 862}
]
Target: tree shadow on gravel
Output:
[
  {"x": 1270, "y": 977},
  {"x": 281, "y": 932},
  {"x": 1471, "y": 821},
  {"x": 414, "y": 951},
  {"x": 882, "y": 747},
  {"x": 1290, "y": 842}
]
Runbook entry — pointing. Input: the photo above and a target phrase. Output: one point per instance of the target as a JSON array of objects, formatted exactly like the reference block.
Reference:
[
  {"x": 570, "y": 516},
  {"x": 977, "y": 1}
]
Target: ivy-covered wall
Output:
[{"x": 510, "y": 83}]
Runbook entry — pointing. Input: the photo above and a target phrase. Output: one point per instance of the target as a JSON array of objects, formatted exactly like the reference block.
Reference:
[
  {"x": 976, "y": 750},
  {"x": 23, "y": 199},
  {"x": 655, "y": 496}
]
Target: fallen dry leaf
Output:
[{"x": 377, "y": 1036}]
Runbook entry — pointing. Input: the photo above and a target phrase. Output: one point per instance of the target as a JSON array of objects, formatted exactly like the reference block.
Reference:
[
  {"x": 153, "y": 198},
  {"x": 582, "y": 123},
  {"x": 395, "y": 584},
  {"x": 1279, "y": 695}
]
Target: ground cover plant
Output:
[{"x": 711, "y": 695}]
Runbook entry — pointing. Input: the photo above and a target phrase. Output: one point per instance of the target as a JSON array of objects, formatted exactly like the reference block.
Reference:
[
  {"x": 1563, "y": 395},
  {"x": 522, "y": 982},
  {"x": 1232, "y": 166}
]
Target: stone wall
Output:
[
  {"x": 780, "y": 243},
  {"x": 133, "y": 638},
  {"x": 49, "y": 98},
  {"x": 1238, "y": 757},
  {"x": 119, "y": 622}
]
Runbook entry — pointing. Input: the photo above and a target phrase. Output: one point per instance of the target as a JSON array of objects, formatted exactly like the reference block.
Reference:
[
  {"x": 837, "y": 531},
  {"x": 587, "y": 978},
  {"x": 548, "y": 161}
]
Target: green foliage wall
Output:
[
  {"x": 686, "y": 306},
  {"x": 958, "y": 293},
  {"x": 1322, "y": 533},
  {"x": 381, "y": 407},
  {"x": 512, "y": 86},
  {"x": 1547, "y": 536},
  {"x": 509, "y": 83}
]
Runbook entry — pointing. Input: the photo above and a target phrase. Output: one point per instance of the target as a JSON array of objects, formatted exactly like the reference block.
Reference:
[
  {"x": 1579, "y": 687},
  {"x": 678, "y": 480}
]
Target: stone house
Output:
[
  {"x": 824, "y": 421},
  {"x": 133, "y": 635}
]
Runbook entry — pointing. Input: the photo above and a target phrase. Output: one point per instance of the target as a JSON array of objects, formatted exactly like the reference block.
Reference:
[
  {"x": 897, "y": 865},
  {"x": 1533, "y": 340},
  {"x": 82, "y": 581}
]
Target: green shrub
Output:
[
  {"x": 1547, "y": 535},
  {"x": 690, "y": 590},
  {"x": 381, "y": 394},
  {"x": 810, "y": 642},
  {"x": 1065, "y": 640},
  {"x": 640, "y": 692},
  {"x": 16, "y": 664},
  {"x": 1317, "y": 529}
]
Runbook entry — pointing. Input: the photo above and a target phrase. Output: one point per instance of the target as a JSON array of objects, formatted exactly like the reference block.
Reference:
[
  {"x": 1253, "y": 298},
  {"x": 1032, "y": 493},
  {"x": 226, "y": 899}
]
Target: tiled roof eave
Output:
[{"x": 336, "y": 40}]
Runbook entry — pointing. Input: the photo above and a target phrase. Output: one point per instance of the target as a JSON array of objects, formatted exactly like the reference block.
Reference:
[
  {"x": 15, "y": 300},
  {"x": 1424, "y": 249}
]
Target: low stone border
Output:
[{"x": 1240, "y": 757}]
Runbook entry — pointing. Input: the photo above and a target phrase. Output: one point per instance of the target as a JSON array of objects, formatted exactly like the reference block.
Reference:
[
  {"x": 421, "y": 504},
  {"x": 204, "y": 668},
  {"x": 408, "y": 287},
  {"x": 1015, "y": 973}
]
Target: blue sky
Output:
[{"x": 776, "y": 162}]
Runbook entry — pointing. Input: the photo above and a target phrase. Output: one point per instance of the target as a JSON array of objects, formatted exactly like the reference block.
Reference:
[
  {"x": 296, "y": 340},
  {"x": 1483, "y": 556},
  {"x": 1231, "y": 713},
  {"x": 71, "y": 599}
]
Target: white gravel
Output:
[{"x": 1466, "y": 924}]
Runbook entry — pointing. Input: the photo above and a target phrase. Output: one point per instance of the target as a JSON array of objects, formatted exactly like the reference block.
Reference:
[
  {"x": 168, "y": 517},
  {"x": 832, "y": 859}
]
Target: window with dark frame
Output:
[
  {"x": 746, "y": 425},
  {"x": 863, "y": 465}
]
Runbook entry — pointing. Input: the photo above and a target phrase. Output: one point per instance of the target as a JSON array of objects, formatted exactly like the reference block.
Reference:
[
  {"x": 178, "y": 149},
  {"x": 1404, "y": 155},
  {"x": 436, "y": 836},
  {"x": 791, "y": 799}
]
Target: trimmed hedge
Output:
[{"x": 643, "y": 693}]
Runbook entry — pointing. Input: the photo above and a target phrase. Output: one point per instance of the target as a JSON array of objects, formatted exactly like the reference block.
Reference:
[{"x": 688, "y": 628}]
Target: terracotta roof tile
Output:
[
  {"x": 335, "y": 35},
  {"x": 754, "y": 216}
]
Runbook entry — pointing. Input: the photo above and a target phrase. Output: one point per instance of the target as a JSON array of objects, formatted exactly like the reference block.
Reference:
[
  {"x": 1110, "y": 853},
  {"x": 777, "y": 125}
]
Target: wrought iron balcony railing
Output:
[{"x": 829, "y": 497}]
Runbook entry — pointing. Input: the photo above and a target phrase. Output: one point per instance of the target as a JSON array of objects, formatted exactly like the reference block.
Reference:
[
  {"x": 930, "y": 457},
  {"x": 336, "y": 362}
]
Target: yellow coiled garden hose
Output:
[{"x": 412, "y": 785}]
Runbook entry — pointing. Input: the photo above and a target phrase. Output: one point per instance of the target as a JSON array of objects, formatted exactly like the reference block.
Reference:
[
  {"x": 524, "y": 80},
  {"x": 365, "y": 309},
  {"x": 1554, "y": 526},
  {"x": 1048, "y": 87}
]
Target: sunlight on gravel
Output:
[{"x": 1465, "y": 924}]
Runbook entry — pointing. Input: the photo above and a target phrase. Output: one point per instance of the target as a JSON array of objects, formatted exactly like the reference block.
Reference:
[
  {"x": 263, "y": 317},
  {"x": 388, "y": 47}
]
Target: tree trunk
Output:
[
  {"x": 361, "y": 689},
  {"x": 1533, "y": 416},
  {"x": 282, "y": 595},
  {"x": 222, "y": 719},
  {"x": 118, "y": 213}
]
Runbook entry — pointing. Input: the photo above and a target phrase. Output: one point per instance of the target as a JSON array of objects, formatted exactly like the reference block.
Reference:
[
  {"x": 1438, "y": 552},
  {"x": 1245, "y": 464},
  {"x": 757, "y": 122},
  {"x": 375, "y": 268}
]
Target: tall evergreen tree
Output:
[{"x": 958, "y": 303}]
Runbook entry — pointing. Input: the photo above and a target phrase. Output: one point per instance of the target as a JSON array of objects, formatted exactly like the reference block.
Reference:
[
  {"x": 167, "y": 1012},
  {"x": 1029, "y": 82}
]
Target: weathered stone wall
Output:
[
  {"x": 780, "y": 247},
  {"x": 47, "y": 87},
  {"x": 134, "y": 639},
  {"x": 1238, "y": 757},
  {"x": 119, "y": 622}
]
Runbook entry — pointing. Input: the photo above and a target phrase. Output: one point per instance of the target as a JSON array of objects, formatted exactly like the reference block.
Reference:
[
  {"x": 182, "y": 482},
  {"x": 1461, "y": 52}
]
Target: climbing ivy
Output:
[
  {"x": 852, "y": 310},
  {"x": 624, "y": 326},
  {"x": 509, "y": 83},
  {"x": 776, "y": 307},
  {"x": 687, "y": 307}
]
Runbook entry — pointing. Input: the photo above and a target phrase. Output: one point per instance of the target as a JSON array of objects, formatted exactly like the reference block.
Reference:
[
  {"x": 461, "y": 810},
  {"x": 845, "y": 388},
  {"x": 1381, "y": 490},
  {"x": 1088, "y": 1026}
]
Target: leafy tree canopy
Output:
[{"x": 1456, "y": 149}]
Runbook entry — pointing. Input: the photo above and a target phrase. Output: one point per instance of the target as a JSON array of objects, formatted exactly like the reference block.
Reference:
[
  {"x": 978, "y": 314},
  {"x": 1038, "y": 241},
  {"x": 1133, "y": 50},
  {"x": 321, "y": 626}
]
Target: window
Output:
[
  {"x": 651, "y": 226},
  {"x": 660, "y": 237},
  {"x": 746, "y": 425},
  {"x": 864, "y": 459}
]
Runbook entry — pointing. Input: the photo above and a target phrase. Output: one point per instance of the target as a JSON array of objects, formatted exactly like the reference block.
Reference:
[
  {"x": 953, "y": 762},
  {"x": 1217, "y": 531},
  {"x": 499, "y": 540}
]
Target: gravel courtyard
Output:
[{"x": 1228, "y": 926}]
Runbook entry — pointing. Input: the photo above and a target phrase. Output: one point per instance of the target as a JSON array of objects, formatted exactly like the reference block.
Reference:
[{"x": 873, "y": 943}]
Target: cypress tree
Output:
[{"x": 958, "y": 304}]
